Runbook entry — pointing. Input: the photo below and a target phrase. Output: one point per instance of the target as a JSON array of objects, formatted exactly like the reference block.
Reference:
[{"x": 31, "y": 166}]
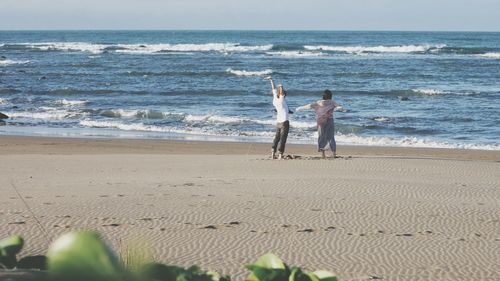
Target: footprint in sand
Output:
[
  {"x": 64, "y": 216},
  {"x": 18, "y": 222},
  {"x": 112, "y": 224},
  {"x": 209, "y": 227},
  {"x": 308, "y": 230}
]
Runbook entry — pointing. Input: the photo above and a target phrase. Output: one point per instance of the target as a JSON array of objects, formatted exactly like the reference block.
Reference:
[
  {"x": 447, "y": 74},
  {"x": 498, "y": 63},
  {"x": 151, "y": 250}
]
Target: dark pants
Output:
[
  {"x": 280, "y": 137},
  {"x": 326, "y": 136}
]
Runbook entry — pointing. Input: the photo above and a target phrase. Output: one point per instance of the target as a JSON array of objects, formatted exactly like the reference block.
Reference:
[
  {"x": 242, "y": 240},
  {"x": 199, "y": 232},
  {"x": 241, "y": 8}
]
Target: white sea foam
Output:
[
  {"x": 10, "y": 62},
  {"x": 66, "y": 102},
  {"x": 176, "y": 130},
  {"x": 47, "y": 114},
  {"x": 208, "y": 47},
  {"x": 491, "y": 55},
  {"x": 429, "y": 92},
  {"x": 133, "y": 113},
  {"x": 3, "y": 101},
  {"x": 435, "y": 92},
  {"x": 145, "y": 48},
  {"x": 408, "y": 142},
  {"x": 376, "y": 49},
  {"x": 68, "y": 46},
  {"x": 382, "y": 119},
  {"x": 297, "y": 54},
  {"x": 309, "y": 138},
  {"x": 214, "y": 119},
  {"x": 249, "y": 73}
]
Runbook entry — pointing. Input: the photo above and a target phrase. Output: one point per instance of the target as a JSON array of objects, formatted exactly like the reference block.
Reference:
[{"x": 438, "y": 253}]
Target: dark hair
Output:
[{"x": 327, "y": 95}]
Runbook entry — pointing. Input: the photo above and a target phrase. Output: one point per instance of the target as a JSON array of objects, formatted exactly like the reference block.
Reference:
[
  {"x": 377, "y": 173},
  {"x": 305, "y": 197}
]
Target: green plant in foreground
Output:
[
  {"x": 83, "y": 256},
  {"x": 270, "y": 267},
  {"x": 10, "y": 247}
]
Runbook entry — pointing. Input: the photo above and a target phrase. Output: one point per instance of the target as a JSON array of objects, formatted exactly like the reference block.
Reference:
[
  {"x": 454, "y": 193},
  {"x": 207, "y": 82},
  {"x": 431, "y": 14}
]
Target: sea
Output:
[{"x": 403, "y": 89}]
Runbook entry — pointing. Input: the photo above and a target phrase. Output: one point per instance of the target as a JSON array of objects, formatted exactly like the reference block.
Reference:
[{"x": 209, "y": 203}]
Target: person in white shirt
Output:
[
  {"x": 283, "y": 124},
  {"x": 324, "y": 118}
]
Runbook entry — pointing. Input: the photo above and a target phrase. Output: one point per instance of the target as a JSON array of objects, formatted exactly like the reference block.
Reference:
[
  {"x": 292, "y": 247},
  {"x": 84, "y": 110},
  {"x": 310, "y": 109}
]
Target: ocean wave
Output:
[
  {"x": 382, "y": 119},
  {"x": 249, "y": 73},
  {"x": 47, "y": 114},
  {"x": 436, "y": 92},
  {"x": 229, "y": 120},
  {"x": 66, "y": 102},
  {"x": 140, "y": 114},
  {"x": 349, "y": 139},
  {"x": 297, "y": 54},
  {"x": 377, "y": 49},
  {"x": 491, "y": 55},
  {"x": 96, "y": 48},
  {"x": 430, "y": 92},
  {"x": 175, "y": 130},
  {"x": 66, "y": 46},
  {"x": 208, "y": 47},
  {"x": 10, "y": 62},
  {"x": 409, "y": 142}
]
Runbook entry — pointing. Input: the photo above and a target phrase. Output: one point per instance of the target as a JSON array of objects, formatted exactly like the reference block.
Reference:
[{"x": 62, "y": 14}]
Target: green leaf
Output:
[
  {"x": 268, "y": 267},
  {"x": 270, "y": 261},
  {"x": 267, "y": 274},
  {"x": 161, "y": 272},
  {"x": 298, "y": 275},
  {"x": 11, "y": 246},
  {"x": 216, "y": 277},
  {"x": 324, "y": 275},
  {"x": 83, "y": 256}
]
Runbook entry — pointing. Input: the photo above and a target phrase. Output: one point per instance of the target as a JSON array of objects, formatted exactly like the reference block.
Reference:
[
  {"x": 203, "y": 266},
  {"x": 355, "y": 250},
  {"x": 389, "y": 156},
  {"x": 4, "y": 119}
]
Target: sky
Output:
[{"x": 412, "y": 15}]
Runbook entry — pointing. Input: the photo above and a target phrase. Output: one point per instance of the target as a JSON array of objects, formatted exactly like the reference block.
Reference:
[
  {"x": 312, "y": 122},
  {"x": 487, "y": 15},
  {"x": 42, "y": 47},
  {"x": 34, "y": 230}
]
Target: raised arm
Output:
[{"x": 273, "y": 86}]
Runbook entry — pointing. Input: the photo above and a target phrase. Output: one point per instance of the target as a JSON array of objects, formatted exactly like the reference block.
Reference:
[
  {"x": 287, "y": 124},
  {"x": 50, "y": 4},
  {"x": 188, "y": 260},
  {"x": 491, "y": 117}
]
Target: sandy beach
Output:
[{"x": 377, "y": 212}]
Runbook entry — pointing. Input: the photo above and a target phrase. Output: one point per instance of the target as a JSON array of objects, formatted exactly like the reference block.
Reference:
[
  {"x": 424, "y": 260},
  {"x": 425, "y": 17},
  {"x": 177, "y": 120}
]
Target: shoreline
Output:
[{"x": 10, "y": 145}]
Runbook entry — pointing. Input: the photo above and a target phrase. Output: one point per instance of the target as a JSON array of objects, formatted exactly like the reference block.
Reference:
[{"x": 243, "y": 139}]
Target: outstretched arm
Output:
[
  {"x": 305, "y": 107},
  {"x": 338, "y": 107}
]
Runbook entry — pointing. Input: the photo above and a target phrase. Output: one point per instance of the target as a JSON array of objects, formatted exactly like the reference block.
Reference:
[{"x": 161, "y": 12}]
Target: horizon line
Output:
[{"x": 247, "y": 30}]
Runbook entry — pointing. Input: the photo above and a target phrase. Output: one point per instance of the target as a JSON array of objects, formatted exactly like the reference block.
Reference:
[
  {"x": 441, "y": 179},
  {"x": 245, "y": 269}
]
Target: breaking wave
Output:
[
  {"x": 377, "y": 49},
  {"x": 491, "y": 55},
  {"x": 297, "y": 54},
  {"x": 10, "y": 62},
  {"x": 249, "y": 73},
  {"x": 95, "y": 48}
]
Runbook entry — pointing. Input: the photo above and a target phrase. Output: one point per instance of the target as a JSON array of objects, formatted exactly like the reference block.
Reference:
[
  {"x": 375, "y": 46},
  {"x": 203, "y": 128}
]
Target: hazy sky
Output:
[{"x": 473, "y": 15}]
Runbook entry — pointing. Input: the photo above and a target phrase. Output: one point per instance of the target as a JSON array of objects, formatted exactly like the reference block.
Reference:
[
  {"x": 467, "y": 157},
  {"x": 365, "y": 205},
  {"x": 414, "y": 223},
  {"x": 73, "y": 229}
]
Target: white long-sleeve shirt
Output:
[
  {"x": 281, "y": 107},
  {"x": 323, "y": 108}
]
